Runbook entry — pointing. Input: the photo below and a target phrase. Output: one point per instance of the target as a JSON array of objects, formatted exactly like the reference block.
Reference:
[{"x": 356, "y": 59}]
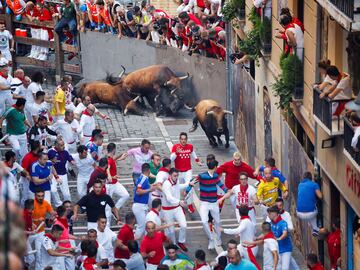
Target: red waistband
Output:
[{"x": 170, "y": 207}]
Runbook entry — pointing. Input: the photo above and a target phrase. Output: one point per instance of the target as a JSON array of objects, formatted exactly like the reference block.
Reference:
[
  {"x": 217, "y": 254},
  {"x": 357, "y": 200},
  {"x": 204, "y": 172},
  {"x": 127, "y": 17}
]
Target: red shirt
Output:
[
  {"x": 334, "y": 247},
  {"x": 27, "y": 220},
  {"x": 125, "y": 235},
  {"x": 317, "y": 266},
  {"x": 112, "y": 169},
  {"x": 156, "y": 244},
  {"x": 89, "y": 264},
  {"x": 28, "y": 161},
  {"x": 183, "y": 158},
  {"x": 232, "y": 172},
  {"x": 193, "y": 18},
  {"x": 97, "y": 173}
]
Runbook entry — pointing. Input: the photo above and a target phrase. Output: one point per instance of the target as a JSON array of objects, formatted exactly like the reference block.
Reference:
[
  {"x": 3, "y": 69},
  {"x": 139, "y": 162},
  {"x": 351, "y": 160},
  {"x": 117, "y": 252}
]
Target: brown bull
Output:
[
  {"x": 212, "y": 120},
  {"x": 102, "y": 92}
]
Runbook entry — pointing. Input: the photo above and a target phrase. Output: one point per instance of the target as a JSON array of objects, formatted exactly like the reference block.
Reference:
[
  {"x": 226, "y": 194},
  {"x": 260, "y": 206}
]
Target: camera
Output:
[
  {"x": 234, "y": 56},
  {"x": 156, "y": 26}
]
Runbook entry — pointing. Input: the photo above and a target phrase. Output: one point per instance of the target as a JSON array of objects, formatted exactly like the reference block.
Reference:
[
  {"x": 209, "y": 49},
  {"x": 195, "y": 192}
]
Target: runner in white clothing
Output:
[
  {"x": 161, "y": 177},
  {"x": 244, "y": 194},
  {"x": 172, "y": 206},
  {"x": 80, "y": 108},
  {"x": 87, "y": 124},
  {"x": 106, "y": 237},
  {"x": 86, "y": 165},
  {"x": 246, "y": 230},
  {"x": 5, "y": 86},
  {"x": 68, "y": 129}
]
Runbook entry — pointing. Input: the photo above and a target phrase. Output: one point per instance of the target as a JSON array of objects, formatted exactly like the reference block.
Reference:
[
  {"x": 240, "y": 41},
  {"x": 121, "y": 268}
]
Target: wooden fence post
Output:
[{"x": 59, "y": 57}]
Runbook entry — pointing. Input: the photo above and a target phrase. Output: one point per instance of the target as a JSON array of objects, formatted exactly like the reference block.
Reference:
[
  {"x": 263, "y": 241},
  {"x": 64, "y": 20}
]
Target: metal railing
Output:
[
  {"x": 349, "y": 132},
  {"x": 323, "y": 110},
  {"x": 345, "y": 6},
  {"x": 266, "y": 30}
]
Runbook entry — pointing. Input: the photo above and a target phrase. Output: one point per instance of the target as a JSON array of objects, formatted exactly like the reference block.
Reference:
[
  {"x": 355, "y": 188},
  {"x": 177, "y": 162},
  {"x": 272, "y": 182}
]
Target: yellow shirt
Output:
[
  {"x": 60, "y": 99},
  {"x": 268, "y": 191}
]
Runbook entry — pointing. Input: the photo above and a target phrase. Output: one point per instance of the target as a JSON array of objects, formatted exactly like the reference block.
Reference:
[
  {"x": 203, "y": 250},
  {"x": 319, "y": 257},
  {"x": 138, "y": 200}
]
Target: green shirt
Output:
[
  {"x": 68, "y": 12},
  {"x": 14, "y": 121},
  {"x": 154, "y": 171}
]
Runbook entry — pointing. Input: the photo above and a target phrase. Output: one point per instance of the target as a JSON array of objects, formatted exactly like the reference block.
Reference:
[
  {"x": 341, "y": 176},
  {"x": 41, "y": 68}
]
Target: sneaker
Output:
[
  {"x": 211, "y": 244},
  {"x": 191, "y": 209},
  {"x": 183, "y": 247},
  {"x": 315, "y": 233}
]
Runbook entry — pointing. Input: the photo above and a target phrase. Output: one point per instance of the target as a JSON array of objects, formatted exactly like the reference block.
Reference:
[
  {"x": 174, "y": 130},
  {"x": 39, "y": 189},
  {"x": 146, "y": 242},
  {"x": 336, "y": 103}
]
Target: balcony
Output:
[
  {"x": 349, "y": 151},
  {"x": 345, "y": 12},
  {"x": 323, "y": 109}
]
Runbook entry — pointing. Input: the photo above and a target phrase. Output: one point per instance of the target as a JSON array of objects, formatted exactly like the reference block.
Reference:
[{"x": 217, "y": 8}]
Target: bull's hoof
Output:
[
  {"x": 227, "y": 145},
  {"x": 214, "y": 144}
]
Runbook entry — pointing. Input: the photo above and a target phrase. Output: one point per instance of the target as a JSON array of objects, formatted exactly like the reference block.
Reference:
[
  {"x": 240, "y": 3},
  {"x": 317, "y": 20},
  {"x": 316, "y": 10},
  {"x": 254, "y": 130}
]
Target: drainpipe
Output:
[{"x": 229, "y": 88}]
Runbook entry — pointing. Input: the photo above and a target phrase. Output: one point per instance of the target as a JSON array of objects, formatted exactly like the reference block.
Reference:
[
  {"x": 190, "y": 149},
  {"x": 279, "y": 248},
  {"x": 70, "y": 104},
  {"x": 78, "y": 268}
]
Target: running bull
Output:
[{"x": 212, "y": 120}]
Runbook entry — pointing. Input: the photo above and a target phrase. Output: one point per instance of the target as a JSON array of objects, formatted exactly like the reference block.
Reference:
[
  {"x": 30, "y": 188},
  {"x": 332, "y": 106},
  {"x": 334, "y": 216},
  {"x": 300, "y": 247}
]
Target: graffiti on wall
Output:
[{"x": 244, "y": 104}]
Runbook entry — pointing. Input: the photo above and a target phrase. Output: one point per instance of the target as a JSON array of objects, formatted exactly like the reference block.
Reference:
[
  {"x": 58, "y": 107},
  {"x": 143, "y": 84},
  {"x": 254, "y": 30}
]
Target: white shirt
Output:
[
  {"x": 5, "y": 36},
  {"x": 355, "y": 139},
  {"x": 100, "y": 255},
  {"x": 15, "y": 84},
  {"x": 298, "y": 34},
  {"x": 285, "y": 216},
  {"x": 6, "y": 99},
  {"x": 44, "y": 258},
  {"x": 270, "y": 245},
  {"x": 87, "y": 125},
  {"x": 154, "y": 217},
  {"x": 171, "y": 193},
  {"x": 246, "y": 230},
  {"x": 245, "y": 198},
  {"x": 40, "y": 109},
  {"x": 66, "y": 130},
  {"x": 20, "y": 91},
  {"x": 204, "y": 267},
  {"x": 85, "y": 165},
  {"x": 32, "y": 89},
  {"x": 161, "y": 177},
  {"x": 14, "y": 171},
  {"x": 345, "y": 85},
  {"x": 80, "y": 108},
  {"x": 106, "y": 239}
]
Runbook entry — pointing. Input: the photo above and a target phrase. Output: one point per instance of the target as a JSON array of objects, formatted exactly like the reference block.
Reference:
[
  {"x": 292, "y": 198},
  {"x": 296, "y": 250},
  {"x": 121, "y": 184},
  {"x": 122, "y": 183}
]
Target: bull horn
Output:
[
  {"x": 136, "y": 99},
  {"x": 228, "y": 112},
  {"x": 188, "y": 107},
  {"x": 210, "y": 112},
  {"x": 122, "y": 72},
  {"x": 173, "y": 91},
  {"x": 166, "y": 83},
  {"x": 184, "y": 77}
]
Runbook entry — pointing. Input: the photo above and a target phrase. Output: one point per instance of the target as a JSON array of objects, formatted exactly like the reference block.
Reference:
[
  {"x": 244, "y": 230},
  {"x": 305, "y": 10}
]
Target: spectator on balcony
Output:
[
  {"x": 323, "y": 65},
  {"x": 286, "y": 11},
  {"x": 17, "y": 7},
  {"x": 342, "y": 87},
  {"x": 126, "y": 23},
  {"x": 45, "y": 32},
  {"x": 355, "y": 122},
  {"x": 104, "y": 16},
  {"x": 67, "y": 18},
  {"x": 33, "y": 15},
  {"x": 294, "y": 35},
  {"x": 265, "y": 5},
  {"x": 308, "y": 193},
  {"x": 143, "y": 22}
]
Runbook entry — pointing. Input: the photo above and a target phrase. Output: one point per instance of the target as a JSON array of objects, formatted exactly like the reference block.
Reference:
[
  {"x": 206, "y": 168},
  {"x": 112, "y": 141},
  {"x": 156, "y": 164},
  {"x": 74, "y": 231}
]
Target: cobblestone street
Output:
[{"x": 128, "y": 131}]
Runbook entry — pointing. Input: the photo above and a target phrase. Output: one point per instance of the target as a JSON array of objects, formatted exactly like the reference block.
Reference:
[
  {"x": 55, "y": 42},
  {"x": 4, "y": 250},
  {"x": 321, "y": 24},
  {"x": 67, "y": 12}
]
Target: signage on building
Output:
[{"x": 353, "y": 179}]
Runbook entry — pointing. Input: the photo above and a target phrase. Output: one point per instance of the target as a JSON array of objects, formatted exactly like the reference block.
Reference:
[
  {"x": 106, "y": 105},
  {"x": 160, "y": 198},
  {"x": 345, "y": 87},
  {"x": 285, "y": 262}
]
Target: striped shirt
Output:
[{"x": 208, "y": 183}]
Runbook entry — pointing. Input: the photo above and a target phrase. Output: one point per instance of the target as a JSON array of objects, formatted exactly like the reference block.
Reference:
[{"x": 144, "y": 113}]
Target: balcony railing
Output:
[
  {"x": 345, "y": 6},
  {"x": 323, "y": 109},
  {"x": 266, "y": 31},
  {"x": 348, "y": 135}
]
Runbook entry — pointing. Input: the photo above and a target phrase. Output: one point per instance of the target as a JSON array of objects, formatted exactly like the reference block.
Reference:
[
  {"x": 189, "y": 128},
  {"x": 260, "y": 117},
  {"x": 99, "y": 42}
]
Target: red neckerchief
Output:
[
  {"x": 171, "y": 181},
  {"x": 243, "y": 189},
  {"x": 64, "y": 222},
  {"x": 269, "y": 235},
  {"x": 163, "y": 169},
  {"x": 244, "y": 217},
  {"x": 154, "y": 210},
  {"x": 277, "y": 220},
  {"x": 282, "y": 212},
  {"x": 89, "y": 261},
  {"x": 198, "y": 266},
  {"x": 86, "y": 112},
  {"x": 101, "y": 170},
  {"x": 339, "y": 78},
  {"x": 2, "y": 75},
  {"x": 52, "y": 238}
]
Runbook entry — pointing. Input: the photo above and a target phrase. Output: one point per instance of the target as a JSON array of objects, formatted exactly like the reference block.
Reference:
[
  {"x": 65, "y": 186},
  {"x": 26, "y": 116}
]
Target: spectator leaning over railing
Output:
[
  {"x": 45, "y": 32},
  {"x": 126, "y": 23},
  {"x": 33, "y": 14},
  {"x": 17, "y": 7},
  {"x": 67, "y": 18}
]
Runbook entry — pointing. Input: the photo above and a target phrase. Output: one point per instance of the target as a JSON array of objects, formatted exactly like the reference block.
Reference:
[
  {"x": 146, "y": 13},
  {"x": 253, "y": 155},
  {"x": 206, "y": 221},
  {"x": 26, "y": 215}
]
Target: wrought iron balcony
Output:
[
  {"x": 349, "y": 131},
  {"x": 345, "y": 6},
  {"x": 324, "y": 113}
]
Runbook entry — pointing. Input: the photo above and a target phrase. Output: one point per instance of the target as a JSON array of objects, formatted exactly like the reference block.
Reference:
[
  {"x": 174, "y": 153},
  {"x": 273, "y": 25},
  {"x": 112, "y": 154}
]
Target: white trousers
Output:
[
  {"x": 44, "y": 35},
  {"x": 54, "y": 193},
  {"x": 205, "y": 209},
  {"x": 29, "y": 242},
  {"x": 155, "y": 37},
  {"x": 264, "y": 211},
  {"x": 71, "y": 147},
  {"x": 38, "y": 242},
  {"x": 310, "y": 217},
  {"x": 286, "y": 261},
  {"x": 252, "y": 215},
  {"x": 67, "y": 263},
  {"x": 245, "y": 253},
  {"x": 150, "y": 266},
  {"x": 24, "y": 190},
  {"x": 19, "y": 145},
  {"x": 185, "y": 177},
  {"x": 120, "y": 191},
  {"x": 35, "y": 33},
  {"x": 81, "y": 185},
  {"x": 176, "y": 214},
  {"x": 140, "y": 210},
  {"x": 64, "y": 187}
]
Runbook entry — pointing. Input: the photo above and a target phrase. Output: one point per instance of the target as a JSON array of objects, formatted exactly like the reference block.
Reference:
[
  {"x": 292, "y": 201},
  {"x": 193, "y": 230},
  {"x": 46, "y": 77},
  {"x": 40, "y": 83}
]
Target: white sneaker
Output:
[
  {"x": 43, "y": 57},
  {"x": 36, "y": 55},
  {"x": 218, "y": 242},
  {"x": 211, "y": 244}
]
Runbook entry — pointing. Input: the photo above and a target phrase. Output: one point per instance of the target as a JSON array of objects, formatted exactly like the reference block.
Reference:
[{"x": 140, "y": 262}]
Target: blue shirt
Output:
[
  {"x": 275, "y": 173},
  {"x": 243, "y": 265},
  {"x": 142, "y": 183},
  {"x": 278, "y": 228},
  {"x": 306, "y": 200},
  {"x": 41, "y": 172},
  {"x": 93, "y": 148},
  {"x": 62, "y": 157}
]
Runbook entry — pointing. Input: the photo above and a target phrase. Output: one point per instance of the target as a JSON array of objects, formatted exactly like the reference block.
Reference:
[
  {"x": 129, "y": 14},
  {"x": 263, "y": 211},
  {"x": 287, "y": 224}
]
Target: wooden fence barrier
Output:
[{"x": 60, "y": 65}]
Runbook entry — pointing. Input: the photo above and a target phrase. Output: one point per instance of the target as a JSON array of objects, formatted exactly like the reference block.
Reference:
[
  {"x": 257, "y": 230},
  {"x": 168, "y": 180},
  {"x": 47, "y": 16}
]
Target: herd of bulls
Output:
[{"x": 161, "y": 88}]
